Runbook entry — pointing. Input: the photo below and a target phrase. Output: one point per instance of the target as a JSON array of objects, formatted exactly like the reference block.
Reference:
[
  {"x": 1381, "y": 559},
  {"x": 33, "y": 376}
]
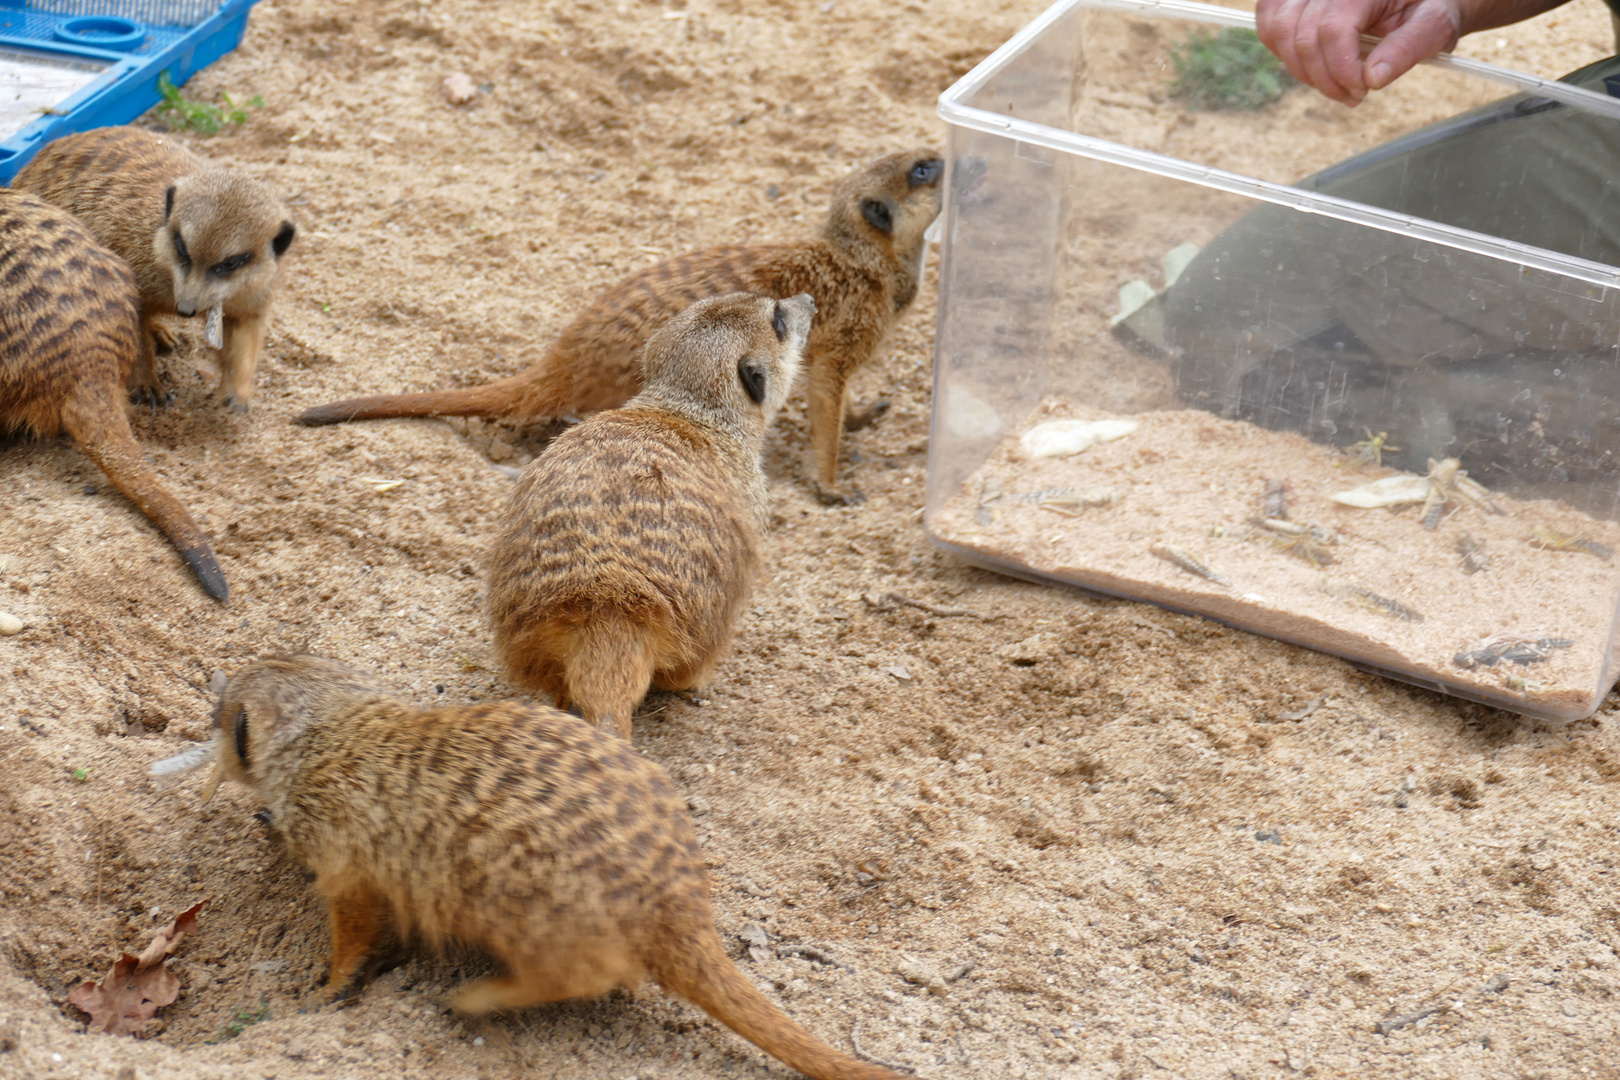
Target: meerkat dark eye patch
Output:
[
  {"x": 926, "y": 172},
  {"x": 878, "y": 214},
  {"x": 283, "y": 239},
  {"x": 180, "y": 251},
  {"x": 779, "y": 322},
  {"x": 239, "y": 731},
  {"x": 753, "y": 379},
  {"x": 226, "y": 267},
  {"x": 168, "y": 204}
]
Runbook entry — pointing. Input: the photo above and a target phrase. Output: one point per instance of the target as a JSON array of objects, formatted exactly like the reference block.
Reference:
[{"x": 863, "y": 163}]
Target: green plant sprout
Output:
[
  {"x": 244, "y": 1019},
  {"x": 1227, "y": 69},
  {"x": 183, "y": 114}
]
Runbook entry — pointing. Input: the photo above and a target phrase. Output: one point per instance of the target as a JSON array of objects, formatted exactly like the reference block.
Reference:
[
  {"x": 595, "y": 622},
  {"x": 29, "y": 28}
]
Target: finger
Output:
[
  {"x": 1430, "y": 28},
  {"x": 1277, "y": 21},
  {"x": 1339, "y": 42},
  {"x": 1308, "y": 45}
]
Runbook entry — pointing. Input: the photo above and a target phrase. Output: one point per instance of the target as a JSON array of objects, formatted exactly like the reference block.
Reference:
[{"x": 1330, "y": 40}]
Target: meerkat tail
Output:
[
  {"x": 112, "y": 446},
  {"x": 706, "y": 977},
  {"x": 609, "y": 669},
  {"x": 492, "y": 399}
]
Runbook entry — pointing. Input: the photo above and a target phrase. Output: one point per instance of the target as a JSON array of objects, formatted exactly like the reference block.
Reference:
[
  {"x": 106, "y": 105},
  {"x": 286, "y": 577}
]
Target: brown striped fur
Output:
[
  {"x": 136, "y": 191},
  {"x": 861, "y": 275},
  {"x": 554, "y": 846},
  {"x": 68, "y": 337},
  {"x": 630, "y": 543}
]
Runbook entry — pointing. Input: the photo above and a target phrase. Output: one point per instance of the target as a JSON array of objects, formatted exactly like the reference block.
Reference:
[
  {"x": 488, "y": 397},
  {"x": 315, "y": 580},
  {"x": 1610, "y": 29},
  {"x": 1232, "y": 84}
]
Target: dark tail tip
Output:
[
  {"x": 320, "y": 416},
  {"x": 206, "y": 567}
]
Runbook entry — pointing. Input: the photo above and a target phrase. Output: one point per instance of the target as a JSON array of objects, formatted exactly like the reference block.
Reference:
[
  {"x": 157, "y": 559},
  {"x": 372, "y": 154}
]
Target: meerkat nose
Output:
[{"x": 188, "y": 310}]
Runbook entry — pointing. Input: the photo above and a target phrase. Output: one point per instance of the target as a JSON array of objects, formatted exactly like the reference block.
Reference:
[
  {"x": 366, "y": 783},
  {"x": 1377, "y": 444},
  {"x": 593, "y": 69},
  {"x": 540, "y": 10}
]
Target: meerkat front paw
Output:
[
  {"x": 164, "y": 340},
  {"x": 154, "y": 396},
  {"x": 837, "y": 495}
]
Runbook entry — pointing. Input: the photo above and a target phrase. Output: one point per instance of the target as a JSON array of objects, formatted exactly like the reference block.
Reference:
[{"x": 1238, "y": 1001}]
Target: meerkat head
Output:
[
  {"x": 728, "y": 356},
  {"x": 889, "y": 203},
  {"x": 223, "y": 236},
  {"x": 261, "y": 711}
]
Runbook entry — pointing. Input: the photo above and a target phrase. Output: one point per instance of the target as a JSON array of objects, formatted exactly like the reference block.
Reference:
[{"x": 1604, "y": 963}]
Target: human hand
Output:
[{"x": 1320, "y": 40}]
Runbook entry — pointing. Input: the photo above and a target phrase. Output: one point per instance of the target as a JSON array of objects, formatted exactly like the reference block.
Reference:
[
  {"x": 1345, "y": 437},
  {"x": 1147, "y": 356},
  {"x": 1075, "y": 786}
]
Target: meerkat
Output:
[
  {"x": 199, "y": 238},
  {"x": 514, "y": 828},
  {"x": 69, "y": 334},
  {"x": 863, "y": 272},
  {"x": 630, "y": 543}
]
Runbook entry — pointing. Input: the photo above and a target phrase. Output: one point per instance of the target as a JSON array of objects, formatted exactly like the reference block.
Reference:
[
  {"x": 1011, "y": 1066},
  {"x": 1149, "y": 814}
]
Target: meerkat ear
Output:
[
  {"x": 779, "y": 322},
  {"x": 879, "y": 214},
  {"x": 168, "y": 204},
  {"x": 752, "y": 375},
  {"x": 283, "y": 239}
]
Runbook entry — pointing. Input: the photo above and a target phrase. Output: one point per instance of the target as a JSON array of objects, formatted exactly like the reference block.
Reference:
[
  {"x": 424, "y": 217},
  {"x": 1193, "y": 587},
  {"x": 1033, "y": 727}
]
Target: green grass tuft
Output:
[
  {"x": 244, "y": 1019},
  {"x": 183, "y": 114},
  {"x": 1227, "y": 69}
]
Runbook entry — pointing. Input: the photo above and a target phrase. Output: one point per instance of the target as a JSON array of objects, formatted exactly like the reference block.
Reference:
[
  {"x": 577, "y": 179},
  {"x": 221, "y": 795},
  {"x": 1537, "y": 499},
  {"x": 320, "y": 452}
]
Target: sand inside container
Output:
[{"x": 1194, "y": 481}]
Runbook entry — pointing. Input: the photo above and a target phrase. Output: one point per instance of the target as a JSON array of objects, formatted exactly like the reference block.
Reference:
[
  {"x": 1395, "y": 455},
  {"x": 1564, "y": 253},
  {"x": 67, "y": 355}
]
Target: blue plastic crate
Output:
[{"x": 73, "y": 65}]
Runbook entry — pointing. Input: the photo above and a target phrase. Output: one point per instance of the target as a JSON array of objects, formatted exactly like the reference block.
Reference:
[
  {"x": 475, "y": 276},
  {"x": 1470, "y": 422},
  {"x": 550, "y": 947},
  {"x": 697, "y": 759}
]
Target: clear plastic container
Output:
[{"x": 1249, "y": 317}]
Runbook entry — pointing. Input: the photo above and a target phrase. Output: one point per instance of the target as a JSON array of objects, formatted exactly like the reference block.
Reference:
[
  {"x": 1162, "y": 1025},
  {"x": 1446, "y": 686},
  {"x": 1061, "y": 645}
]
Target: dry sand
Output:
[{"x": 1165, "y": 847}]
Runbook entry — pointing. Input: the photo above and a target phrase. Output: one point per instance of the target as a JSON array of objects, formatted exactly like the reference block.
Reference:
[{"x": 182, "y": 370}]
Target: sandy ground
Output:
[{"x": 1163, "y": 846}]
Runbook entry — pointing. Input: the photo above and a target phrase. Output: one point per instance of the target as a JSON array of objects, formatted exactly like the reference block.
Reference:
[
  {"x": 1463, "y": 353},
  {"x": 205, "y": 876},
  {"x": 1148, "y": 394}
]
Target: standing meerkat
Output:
[
  {"x": 69, "y": 334},
  {"x": 199, "y": 238},
  {"x": 514, "y": 828},
  {"x": 862, "y": 271},
  {"x": 630, "y": 544}
]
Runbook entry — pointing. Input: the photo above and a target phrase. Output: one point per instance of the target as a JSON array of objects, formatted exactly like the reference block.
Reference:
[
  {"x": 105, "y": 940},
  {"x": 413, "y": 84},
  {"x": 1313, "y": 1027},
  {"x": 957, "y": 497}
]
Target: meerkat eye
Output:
[
  {"x": 239, "y": 731},
  {"x": 926, "y": 172},
  {"x": 878, "y": 215},
  {"x": 779, "y": 322},
  {"x": 753, "y": 379},
  {"x": 226, "y": 267},
  {"x": 168, "y": 203},
  {"x": 180, "y": 250}
]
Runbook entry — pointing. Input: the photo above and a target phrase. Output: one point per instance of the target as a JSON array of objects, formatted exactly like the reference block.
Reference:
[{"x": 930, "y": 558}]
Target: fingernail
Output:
[{"x": 1378, "y": 78}]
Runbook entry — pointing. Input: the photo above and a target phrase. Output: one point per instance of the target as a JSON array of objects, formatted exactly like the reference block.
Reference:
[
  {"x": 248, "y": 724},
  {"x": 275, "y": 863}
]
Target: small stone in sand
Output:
[
  {"x": 458, "y": 88},
  {"x": 10, "y": 624}
]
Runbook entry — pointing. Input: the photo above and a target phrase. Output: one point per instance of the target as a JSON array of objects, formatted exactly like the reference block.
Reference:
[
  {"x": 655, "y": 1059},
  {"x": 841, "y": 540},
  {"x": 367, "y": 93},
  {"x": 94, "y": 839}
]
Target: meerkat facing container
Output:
[{"x": 1347, "y": 379}]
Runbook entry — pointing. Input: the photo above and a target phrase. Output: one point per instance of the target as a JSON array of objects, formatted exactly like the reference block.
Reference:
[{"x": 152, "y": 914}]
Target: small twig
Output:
[
  {"x": 1387, "y": 1026},
  {"x": 855, "y": 1040},
  {"x": 1494, "y": 985},
  {"x": 889, "y": 601},
  {"x": 810, "y": 952}
]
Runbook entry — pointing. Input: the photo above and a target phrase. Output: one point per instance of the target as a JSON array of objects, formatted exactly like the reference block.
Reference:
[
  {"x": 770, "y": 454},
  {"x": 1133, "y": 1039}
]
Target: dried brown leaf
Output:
[{"x": 136, "y": 987}]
